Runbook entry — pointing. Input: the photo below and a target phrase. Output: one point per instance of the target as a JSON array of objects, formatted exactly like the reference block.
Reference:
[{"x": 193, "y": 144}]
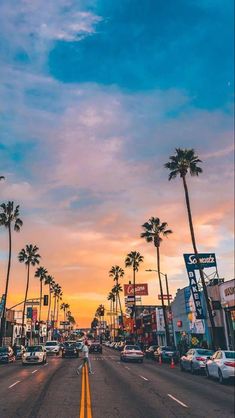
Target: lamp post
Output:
[{"x": 168, "y": 295}]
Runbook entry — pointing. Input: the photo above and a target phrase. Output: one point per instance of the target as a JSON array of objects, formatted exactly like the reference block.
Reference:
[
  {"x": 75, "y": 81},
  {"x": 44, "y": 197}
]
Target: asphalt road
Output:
[{"x": 117, "y": 390}]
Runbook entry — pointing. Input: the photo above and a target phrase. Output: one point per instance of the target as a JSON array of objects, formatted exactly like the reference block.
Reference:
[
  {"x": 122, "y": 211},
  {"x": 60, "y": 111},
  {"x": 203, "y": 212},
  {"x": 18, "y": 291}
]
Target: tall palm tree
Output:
[
  {"x": 111, "y": 298},
  {"x": 117, "y": 273},
  {"x": 9, "y": 217},
  {"x": 117, "y": 289},
  {"x": 59, "y": 297},
  {"x": 183, "y": 162},
  {"x": 154, "y": 231},
  {"x": 41, "y": 273},
  {"x": 64, "y": 306},
  {"x": 30, "y": 257},
  {"x": 133, "y": 259}
]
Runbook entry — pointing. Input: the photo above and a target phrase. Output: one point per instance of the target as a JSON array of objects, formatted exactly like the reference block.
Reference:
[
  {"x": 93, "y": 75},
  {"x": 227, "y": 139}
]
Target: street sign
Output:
[
  {"x": 34, "y": 303},
  {"x": 132, "y": 299},
  {"x": 165, "y": 297},
  {"x": 140, "y": 289}
]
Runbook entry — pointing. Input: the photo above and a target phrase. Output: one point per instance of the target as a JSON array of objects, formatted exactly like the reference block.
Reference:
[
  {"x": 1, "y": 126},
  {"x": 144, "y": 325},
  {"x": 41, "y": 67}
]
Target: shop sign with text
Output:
[{"x": 140, "y": 289}]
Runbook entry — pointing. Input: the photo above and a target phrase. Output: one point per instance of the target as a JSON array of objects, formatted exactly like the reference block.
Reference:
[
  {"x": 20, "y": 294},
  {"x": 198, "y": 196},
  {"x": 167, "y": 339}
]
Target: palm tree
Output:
[
  {"x": 133, "y": 259},
  {"x": 116, "y": 290},
  {"x": 116, "y": 273},
  {"x": 183, "y": 162},
  {"x": 9, "y": 217},
  {"x": 30, "y": 257},
  {"x": 49, "y": 280},
  {"x": 59, "y": 297},
  {"x": 111, "y": 297},
  {"x": 64, "y": 307},
  {"x": 154, "y": 231},
  {"x": 41, "y": 273}
]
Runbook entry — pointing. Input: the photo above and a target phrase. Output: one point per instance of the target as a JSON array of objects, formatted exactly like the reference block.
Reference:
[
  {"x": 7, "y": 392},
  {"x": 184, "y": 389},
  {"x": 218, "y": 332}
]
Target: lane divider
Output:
[
  {"x": 34, "y": 371},
  {"x": 177, "y": 400},
  {"x": 85, "y": 402},
  {"x": 142, "y": 377},
  {"x": 18, "y": 381}
]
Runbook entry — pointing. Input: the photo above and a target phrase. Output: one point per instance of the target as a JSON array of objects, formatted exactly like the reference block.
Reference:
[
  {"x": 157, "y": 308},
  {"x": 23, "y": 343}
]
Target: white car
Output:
[
  {"x": 221, "y": 365},
  {"x": 52, "y": 347},
  {"x": 35, "y": 354},
  {"x": 132, "y": 353}
]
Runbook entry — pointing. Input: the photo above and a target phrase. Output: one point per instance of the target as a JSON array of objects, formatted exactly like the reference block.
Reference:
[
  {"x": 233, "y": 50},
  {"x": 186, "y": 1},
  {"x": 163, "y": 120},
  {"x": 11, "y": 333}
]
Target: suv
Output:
[
  {"x": 52, "y": 347},
  {"x": 95, "y": 348}
]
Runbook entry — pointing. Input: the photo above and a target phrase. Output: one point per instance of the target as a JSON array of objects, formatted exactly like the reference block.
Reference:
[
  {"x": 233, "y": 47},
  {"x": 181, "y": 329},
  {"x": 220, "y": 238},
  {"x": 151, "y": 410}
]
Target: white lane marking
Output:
[
  {"x": 177, "y": 400},
  {"x": 34, "y": 371},
  {"x": 45, "y": 365},
  {"x": 18, "y": 381},
  {"x": 142, "y": 377},
  {"x": 128, "y": 368}
]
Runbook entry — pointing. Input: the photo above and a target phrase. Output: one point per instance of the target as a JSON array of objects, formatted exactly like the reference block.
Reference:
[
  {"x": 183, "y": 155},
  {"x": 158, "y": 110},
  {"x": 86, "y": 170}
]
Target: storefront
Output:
[{"x": 227, "y": 295}]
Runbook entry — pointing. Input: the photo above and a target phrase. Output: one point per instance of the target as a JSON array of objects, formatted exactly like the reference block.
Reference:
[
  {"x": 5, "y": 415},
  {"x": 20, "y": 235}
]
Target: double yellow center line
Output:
[{"x": 85, "y": 405}]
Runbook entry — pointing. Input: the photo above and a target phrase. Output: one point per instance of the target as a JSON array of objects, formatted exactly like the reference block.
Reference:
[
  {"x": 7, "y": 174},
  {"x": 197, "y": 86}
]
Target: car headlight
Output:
[{"x": 24, "y": 354}]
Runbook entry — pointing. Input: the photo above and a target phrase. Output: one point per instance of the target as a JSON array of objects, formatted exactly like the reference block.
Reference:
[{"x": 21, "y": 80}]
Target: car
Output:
[
  {"x": 6, "y": 355},
  {"x": 167, "y": 353},
  {"x": 70, "y": 350},
  {"x": 95, "y": 348},
  {"x": 149, "y": 353},
  {"x": 195, "y": 360},
  {"x": 132, "y": 353},
  {"x": 121, "y": 345},
  {"x": 18, "y": 351},
  {"x": 53, "y": 347},
  {"x": 34, "y": 354},
  {"x": 221, "y": 365}
]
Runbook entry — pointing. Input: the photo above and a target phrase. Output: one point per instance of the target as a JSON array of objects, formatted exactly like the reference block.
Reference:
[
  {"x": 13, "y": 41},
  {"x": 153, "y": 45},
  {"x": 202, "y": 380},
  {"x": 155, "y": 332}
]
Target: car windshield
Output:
[
  {"x": 69, "y": 345},
  {"x": 230, "y": 354},
  {"x": 205, "y": 352},
  {"x": 34, "y": 349},
  {"x": 3, "y": 350},
  {"x": 132, "y": 347},
  {"x": 51, "y": 343}
]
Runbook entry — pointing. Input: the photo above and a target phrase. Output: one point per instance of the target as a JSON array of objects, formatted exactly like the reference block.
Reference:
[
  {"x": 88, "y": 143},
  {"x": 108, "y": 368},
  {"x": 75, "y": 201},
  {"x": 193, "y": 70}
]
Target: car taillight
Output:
[
  {"x": 200, "y": 359},
  {"x": 229, "y": 363}
]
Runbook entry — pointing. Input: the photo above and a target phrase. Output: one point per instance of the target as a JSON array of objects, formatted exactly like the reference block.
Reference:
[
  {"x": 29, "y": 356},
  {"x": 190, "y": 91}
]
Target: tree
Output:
[
  {"x": 111, "y": 298},
  {"x": 64, "y": 307},
  {"x": 116, "y": 273},
  {"x": 9, "y": 216},
  {"x": 183, "y": 162},
  {"x": 154, "y": 231},
  {"x": 30, "y": 257},
  {"x": 41, "y": 273},
  {"x": 133, "y": 259}
]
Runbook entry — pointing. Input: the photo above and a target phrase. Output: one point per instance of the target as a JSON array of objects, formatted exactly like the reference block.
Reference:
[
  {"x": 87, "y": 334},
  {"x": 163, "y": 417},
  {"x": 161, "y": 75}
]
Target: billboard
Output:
[{"x": 140, "y": 289}]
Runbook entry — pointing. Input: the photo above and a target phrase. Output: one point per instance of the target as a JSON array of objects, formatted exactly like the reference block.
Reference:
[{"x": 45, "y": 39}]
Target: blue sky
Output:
[{"x": 95, "y": 96}]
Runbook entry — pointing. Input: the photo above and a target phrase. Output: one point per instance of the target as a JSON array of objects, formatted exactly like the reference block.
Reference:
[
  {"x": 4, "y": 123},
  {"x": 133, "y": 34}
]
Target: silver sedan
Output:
[{"x": 195, "y": 360}]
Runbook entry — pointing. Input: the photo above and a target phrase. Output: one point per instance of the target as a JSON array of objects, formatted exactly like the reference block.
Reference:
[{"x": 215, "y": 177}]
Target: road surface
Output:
[{"x": 115, "y": 390}]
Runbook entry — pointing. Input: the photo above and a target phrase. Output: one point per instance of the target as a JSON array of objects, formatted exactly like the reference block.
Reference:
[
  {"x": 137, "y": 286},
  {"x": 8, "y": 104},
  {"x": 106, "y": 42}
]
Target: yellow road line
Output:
[
  {"x": 88, "y": 396},
  {"x": 82, "y": 404}
]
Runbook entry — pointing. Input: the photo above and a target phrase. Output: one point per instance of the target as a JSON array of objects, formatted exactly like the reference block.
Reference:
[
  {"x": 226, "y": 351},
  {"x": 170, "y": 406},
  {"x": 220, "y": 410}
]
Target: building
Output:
[{"x": 227, "y": 300}]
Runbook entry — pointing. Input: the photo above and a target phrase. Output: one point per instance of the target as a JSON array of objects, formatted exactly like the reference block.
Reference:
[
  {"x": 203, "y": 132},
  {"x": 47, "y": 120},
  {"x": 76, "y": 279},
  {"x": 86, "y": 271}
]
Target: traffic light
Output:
[
  {"x": 45, "y": 300},
  {"x": 29, "y": 312},
  {"x": 37, "y": 325}
]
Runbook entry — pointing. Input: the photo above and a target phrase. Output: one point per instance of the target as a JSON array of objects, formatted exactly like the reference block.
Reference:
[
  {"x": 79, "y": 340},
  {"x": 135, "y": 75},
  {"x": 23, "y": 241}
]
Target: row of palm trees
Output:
[
  {"x": 183, "y": 162},
  {"x": 10, "y": 219}
]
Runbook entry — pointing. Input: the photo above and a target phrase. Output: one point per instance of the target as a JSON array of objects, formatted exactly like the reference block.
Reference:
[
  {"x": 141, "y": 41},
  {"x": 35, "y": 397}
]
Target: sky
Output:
[{"x": 94, "y": 97}]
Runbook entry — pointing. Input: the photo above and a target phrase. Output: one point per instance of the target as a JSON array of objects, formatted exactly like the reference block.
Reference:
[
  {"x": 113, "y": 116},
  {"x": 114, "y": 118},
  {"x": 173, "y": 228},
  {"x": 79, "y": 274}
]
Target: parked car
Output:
[
  {"x": 52, "y": 347},
  {"x": 121, "y": 345},
  {"x": 221, "y": 365},
  {"x": 95, "y": 348},
  {"x": 149, "y": 353},
  {"x": 34, "y": 354},
  {"x": 195, "y": 360},
  {"x": 6, "y": 355},
  {"x": 132, "y": 353},
  {"x": 18, "y": 351},
  {"x": 70, "y": 350},
  {"x": 167, "y": 353}
]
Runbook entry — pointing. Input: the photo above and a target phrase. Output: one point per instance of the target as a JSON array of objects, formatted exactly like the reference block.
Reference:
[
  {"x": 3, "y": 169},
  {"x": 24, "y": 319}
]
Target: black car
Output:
[
  {"x": 69, "y": 350},
  {"x": 167, "y": 353},
  {"x": 95, "y": 348},
  {"x": 6, "y": 355}
]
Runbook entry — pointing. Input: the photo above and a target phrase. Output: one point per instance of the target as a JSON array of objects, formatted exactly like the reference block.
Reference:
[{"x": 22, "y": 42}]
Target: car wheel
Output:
[
  {"x": 192, "y": 371},
  {"x": 181, "y": 367},
  {"x": 221, "y": 379},
  {"x": 207, "y": 373}
]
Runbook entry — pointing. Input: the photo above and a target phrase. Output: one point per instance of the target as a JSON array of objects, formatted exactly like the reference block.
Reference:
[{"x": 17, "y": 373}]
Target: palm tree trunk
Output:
[
  {"x": 120, "y": 306},
  {"x": 134, "y": 291},
  {"x": 162, "y": 298},
  {"x": 49, "y": 308},
  {"x": 209, "y": 309},
  {"x": 25, "y": 298},
  {"x": 40, "y": 306},
  {"x": 3, "y": 321},
  {"x": 57, "y": 315}
]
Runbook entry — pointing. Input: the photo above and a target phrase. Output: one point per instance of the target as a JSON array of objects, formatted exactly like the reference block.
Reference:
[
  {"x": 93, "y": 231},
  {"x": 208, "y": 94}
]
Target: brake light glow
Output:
[
  {"x": 229, "y": 363},
  {"x": 200, "y": 358}
]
